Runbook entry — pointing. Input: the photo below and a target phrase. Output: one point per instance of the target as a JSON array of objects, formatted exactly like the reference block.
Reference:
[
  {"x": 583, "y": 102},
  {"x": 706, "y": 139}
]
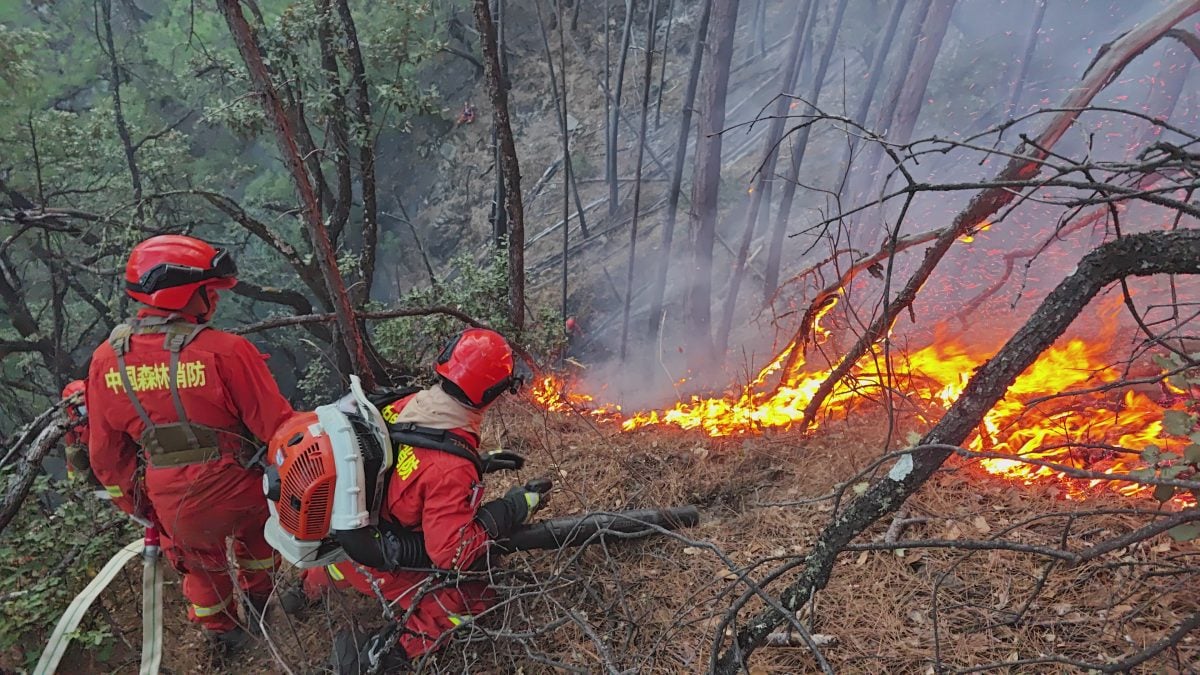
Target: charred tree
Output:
[
  {"x": 509, "y": 167},
  {"x": 933, "y": 33},
  {"x": 864, "y": 174},
  {"x": 1135, "y": 255},
  {"x": 281, "y": 124},
  {"x": 706, "y": 183},
  {"x": 912, "y": 95},
  {"x": 615, "y": 116},
  {"x": 659, "y": 288},
  {"x": 1018, "y": 81},
  {"x": 875, "y": 75},
  {"x": 647, "y": 73},
  {"x": 662, "y": 66},
  {"x": 799, "y": 147},
  {"x": 766, "y": 170}
]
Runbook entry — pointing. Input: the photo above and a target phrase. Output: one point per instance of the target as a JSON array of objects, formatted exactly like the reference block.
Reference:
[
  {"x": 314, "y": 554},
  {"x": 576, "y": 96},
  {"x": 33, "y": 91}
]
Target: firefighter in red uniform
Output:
[
  {"x": 175, "y": 406},
  {"x": 434, "y": 493},
  {"x": 76, "y": 438}
]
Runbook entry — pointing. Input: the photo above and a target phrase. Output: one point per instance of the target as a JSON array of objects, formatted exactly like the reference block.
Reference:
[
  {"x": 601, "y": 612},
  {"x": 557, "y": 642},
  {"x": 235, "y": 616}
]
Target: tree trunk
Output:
[
  {"x": 1018, "y": 82},
  {"x": 1136, "y": 255},
  {"x": 912, "y": 95},
  {"x": 135, "y": 175},
  {"x": 685, "y": 128},
  {"x": 766, "y": 170},
  {"x": 498, "y": 93},
  {"x": 247, "y": 45},
  {"x": 647, "y": 73},
  {"x": 662, "y": 67},
  {"x": 615, "y": 117},
  {"x": 864, "y": 175},
  {"x": 366, "y": 152},
  {"x": 933, "y": 32},
  {"x": 706, "y": 183},
  {"x": 875, "y": 75},
  {"x": 799, "y": 147},
  {"x": 1024, "y": 165}
]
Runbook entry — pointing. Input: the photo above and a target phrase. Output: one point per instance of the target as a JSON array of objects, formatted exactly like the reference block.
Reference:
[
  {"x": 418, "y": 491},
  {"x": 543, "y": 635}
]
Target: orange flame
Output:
[{"x": 1079, "y": 431}]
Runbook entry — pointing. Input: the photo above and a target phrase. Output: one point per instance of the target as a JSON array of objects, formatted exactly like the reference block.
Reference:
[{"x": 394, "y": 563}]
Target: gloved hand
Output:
[
  {"x": 501, "y": 516},
  {"x": 502, "y": 460}
]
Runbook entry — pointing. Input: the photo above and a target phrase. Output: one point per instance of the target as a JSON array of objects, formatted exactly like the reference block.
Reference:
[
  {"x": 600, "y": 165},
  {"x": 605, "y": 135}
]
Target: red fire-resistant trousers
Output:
[
  {"x": 437, "y": 611},
  {"x": 196, "y": 545}
]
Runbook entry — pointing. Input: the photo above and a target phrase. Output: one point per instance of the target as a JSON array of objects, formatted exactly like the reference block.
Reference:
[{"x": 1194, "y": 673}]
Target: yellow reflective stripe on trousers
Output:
[
  {"x": 335, "y": 573},
  {"x": 114, "y": 490},
  {"x": 202, "y": 612},
  {"x": 256, "y": 564},
  {"x": 459, "y": 619}
]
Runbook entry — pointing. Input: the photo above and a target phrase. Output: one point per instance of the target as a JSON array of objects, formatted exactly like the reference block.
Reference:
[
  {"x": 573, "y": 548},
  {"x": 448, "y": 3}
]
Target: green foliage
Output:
[
  {"x": 47, "y": 555},
  {"x": 480, "y": 290}
]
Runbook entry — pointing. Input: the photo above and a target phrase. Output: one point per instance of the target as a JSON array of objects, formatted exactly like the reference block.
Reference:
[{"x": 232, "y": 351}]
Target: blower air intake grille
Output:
[{"x": 306, "y": 513}]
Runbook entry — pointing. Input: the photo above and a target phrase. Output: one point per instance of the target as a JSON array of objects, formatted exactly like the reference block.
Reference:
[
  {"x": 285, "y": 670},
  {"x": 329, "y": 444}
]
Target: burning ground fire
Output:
[{"x": 1084, "y": 431}]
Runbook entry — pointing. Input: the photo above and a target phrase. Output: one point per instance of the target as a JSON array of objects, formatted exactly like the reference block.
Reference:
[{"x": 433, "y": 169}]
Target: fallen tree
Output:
[{"x": 1147, "y": 254}]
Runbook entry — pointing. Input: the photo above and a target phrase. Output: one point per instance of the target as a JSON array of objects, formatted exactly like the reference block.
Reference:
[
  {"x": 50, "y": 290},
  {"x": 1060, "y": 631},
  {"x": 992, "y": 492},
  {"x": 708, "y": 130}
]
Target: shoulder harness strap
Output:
[
  {"x": 179, "y": 333},
  {"x": 415, "y": 435}
]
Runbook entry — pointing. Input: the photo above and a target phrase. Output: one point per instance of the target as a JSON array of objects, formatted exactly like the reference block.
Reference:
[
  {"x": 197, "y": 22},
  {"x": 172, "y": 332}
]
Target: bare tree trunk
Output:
[
  {"x": 1136, "y": 255},
  {"x": 135, "y": 176},
  {"x": 247, "y": 45},
  {"x": 662, "y": 67},
  {"x": 647, "y": 73},
  {"x": 876, "y": 74},
  {"x": 766, "y": 170},
  {"x": 799, "y": 147},
  {"x": 1024, "y": 165},
  {"x": 499, "y": 198},
  {"x": 706, "y": 183},
  {"x": 560, "y": 111},
  {"x": 508, "y": 165},
  {"x": 1018, "y": 82},
  {"x": 685, "y": 127},
  {"x": 912, "y": 94},
  {"x": 864, "y": 175},
  {"x": 614, "y": 119},
  {"x": 366, "y": 152},
  {"x": 933, "y": 33}
]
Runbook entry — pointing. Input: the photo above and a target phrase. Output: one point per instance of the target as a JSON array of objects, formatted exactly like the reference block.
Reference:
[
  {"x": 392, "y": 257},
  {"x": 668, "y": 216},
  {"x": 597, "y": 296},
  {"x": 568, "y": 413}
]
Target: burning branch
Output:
[
  {"x": 1022, "y": 167},
  {"x": 1135, "y": 255}
]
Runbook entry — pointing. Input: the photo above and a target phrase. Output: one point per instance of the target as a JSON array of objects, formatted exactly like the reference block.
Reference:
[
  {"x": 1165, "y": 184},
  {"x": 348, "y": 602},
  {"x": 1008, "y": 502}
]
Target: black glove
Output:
[
  {"x": 502, "y": 460},
  {"x": 501, "y": 516}
]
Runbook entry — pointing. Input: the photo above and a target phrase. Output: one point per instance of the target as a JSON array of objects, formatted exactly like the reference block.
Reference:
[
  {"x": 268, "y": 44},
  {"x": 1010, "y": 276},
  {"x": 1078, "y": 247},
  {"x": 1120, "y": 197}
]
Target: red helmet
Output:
[
  {"x": 476, "y": 366},
  {"x": 73, "y": 387},
  {"x": 75, "y": 410},
  {"x": 165, "y": 271}
]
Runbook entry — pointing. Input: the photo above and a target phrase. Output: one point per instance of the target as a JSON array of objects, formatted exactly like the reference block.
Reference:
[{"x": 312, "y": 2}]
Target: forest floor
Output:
[{"x": 655, "y": 605}]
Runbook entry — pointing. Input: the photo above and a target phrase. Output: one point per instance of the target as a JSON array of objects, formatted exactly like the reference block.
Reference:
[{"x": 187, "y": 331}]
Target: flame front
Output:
[{"x": 1086, "y": 431}]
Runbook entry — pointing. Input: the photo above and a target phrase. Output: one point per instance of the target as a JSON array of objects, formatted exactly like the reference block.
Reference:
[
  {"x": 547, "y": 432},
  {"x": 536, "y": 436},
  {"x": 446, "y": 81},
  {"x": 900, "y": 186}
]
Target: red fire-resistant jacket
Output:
[
  {"x": 224, "y": 384},
  {"x": 437, "y": 493}
]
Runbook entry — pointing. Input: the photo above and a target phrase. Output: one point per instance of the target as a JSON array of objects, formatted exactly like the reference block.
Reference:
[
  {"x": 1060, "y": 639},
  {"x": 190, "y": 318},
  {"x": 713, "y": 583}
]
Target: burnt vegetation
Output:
[{"x": 900, "y": 294}]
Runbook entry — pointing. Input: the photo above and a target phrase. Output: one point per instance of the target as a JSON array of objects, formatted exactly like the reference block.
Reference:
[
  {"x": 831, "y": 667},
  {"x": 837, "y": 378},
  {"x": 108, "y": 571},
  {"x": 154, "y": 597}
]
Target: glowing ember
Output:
[{"x": 1085, "y": 432}]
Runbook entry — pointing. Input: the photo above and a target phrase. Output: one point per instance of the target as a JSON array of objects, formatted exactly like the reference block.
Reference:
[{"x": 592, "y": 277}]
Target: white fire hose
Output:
[{"x": 152, "y": 606}]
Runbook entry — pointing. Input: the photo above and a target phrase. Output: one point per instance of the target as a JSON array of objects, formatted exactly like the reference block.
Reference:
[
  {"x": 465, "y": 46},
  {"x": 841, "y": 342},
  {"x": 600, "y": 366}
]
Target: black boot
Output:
[
  {"x": 356, "y": 653},
  {"x": 228, "y": 642},
  {"x": 295, "y": 601}
]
